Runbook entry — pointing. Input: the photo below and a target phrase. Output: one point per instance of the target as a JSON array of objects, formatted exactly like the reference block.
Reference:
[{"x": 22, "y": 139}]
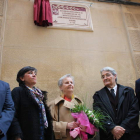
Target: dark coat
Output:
[
  {"x": 26, "y": 123},
  {"x": 6, "y": 109},
  {"x": 137, "y": 90},
  {"x": 127, "y": 113}
]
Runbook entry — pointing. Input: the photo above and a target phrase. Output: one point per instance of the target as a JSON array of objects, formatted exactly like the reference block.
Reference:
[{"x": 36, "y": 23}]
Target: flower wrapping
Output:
[{"x": 82, "y": 119}]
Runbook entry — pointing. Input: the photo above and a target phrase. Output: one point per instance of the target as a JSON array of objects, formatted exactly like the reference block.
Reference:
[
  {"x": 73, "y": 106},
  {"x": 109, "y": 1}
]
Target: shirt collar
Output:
[{"x": 115, "y": 88}]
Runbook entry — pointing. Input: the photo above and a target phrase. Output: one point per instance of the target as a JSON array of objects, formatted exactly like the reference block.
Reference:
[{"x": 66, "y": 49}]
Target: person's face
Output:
[
  {"x": 29, "y": 78},
  {"x": 67, "y": 86},
  {"x": 108, "y": 79}
]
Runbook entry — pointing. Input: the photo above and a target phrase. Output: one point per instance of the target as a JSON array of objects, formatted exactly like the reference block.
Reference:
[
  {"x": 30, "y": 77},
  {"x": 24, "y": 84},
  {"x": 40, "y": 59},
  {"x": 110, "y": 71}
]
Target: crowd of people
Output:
[{"x": 26, "y": 115}]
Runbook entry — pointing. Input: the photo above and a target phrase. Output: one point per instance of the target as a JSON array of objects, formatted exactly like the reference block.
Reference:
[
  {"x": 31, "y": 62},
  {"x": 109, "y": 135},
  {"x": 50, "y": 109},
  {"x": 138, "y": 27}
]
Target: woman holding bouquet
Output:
[
  {"x": 32, "y": 120},
  {"x": 60, "y": 109}
]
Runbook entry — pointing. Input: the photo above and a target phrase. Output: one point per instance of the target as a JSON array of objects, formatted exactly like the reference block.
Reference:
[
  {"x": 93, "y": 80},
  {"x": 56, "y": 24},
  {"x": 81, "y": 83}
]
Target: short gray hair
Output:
[
  {"x": 110, "y": 70},
  {"x": 60, "y": 81}
]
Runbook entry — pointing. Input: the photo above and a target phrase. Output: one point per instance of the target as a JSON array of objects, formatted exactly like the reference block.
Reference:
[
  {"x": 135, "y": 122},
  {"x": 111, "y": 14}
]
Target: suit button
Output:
[{"x": 108, "y": 123}]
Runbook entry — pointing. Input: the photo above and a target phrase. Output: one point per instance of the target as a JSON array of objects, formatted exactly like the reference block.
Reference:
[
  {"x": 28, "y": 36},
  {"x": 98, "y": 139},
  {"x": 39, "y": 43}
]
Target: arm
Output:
[
  {"x": 110, "y": 126},
  {"x": 7, "y": 111},
  {"x": 98, "y": 105},
  {"x": 49, "y": 132},
  {"x": 15, "y": 130},
  {"x": 58, "y": 127},
  {"x": 132, "y": 117}
]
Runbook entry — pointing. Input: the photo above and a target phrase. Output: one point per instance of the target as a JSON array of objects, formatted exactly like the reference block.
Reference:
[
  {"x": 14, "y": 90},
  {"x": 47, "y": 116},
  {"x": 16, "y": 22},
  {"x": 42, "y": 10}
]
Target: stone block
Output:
[
  {"x": 135, "y": 39},
  {"x": 130, "y": 20}
]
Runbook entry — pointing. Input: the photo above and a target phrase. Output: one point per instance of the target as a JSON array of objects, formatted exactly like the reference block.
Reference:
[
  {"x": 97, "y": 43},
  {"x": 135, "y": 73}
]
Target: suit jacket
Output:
[
  {"x": 137, "y": 90},
  {"x": 127, "y": 113},
  {"x": 6, "y": 108}
]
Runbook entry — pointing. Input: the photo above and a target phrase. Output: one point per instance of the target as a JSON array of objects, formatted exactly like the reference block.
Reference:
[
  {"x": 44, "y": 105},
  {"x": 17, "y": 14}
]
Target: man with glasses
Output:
[{"x": 120, "y": 104}]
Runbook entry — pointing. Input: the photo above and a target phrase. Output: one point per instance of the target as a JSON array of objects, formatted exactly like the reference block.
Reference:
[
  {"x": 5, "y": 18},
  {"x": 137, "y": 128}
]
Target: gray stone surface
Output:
[
  {"x": 130, "y": 20},
  {"x": 1, "y": 7},
  {"x": 138, "y": 18},
  {"x": 137, "y": 61},
  {"x": 0, "y": 23},
  {"x": 135, "y": 39}
]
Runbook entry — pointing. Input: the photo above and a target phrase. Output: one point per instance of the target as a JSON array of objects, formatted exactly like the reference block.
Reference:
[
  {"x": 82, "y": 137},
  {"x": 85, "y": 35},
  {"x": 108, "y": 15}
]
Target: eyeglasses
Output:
[{"x": 106, "y": 75}]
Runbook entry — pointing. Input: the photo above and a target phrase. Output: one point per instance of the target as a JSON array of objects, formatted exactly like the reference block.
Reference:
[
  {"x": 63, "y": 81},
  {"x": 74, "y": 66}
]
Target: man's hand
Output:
[
  {"x": 118, "y": 132},
  {"x": 72, "y": 125}
]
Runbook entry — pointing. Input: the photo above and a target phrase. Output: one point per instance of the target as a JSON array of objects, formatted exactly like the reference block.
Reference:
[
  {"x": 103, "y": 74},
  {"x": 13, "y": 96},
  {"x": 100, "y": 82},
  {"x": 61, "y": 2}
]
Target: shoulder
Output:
[
  {"x": 138, "y": 81},
  {"x": 51, "y": 103},
  {"x": 18, "y": 90},
  {"x": 55, "y": 101},
  {"x": 4, "y": 86},
  {"x": 99, "y": 92},
  {"x": 126, "y": 88},
  {"x": 78, "y": 99},
  {"x": 2, "y": 83}
]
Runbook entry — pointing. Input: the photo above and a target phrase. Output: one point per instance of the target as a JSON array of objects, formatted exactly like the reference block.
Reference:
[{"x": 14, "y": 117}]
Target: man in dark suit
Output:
[
  {"x": 137, "y": 90},
  {"x": 6, "y": 109},
  {"x": 121, "y": 105}
]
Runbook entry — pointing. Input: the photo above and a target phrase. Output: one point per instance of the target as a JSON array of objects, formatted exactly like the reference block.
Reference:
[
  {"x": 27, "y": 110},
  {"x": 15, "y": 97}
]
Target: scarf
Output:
[
  {"x": 66, "y": 98},
  {"x": 38, "y": 96}
]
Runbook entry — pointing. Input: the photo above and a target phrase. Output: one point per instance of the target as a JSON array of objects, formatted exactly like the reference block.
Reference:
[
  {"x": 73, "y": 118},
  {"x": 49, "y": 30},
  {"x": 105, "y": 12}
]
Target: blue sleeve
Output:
[{"x": 7, "y": 111}]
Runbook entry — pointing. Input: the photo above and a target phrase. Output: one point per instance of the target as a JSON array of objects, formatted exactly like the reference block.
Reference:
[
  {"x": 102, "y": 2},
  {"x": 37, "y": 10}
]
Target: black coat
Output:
[
  {"x": 127, "y": 113},
  {"x": 137, "y": 90},
  {"x": 26, "y": 123}
]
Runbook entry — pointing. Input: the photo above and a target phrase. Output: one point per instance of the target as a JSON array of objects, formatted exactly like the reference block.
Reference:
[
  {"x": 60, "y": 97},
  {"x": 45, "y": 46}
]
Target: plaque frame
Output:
[{"x": 66, "y": 25}]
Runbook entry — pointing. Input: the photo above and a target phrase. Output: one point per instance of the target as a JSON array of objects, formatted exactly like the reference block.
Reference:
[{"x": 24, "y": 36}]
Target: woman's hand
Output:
[
  {"x": 83, "y": 128},
  {"x": 72, "y": 125}
]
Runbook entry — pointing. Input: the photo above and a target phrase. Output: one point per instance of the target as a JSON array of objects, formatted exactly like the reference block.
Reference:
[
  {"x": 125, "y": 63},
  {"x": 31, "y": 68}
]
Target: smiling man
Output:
[{"x": 121, "y": 105}]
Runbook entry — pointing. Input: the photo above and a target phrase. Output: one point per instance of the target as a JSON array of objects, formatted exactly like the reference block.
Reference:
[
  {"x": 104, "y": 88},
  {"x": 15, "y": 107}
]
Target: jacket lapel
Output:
[
  {"x": 106, "y": 102},
  {"x": 121, "y": 95}
]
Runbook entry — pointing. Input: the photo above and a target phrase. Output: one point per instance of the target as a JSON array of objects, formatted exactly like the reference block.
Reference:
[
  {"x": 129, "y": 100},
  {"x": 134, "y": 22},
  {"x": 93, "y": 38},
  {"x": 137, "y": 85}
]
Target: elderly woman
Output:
[
  {"x": 32, "y": 120},
  {"x": 60, "y": 109}
]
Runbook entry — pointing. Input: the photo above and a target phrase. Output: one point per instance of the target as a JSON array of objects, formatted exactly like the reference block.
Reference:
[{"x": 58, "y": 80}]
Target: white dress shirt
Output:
[{"x": 115, "y": 89}]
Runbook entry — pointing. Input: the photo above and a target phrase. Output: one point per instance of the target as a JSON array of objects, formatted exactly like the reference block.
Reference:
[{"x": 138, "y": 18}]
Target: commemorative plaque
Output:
[{"x": 71, "y": 15}]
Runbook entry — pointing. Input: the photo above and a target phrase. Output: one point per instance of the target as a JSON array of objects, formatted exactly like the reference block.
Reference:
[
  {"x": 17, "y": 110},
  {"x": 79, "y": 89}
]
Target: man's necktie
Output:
[{"x": 112, "y": 92}]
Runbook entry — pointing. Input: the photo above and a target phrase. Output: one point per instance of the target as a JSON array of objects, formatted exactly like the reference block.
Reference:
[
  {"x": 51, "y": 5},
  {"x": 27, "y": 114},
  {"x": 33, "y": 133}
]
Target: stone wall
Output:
[
  {"x": 3, "y": 4},
  {"x": 132, "y": 21},
  {"x": 56, "y": 52}
]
